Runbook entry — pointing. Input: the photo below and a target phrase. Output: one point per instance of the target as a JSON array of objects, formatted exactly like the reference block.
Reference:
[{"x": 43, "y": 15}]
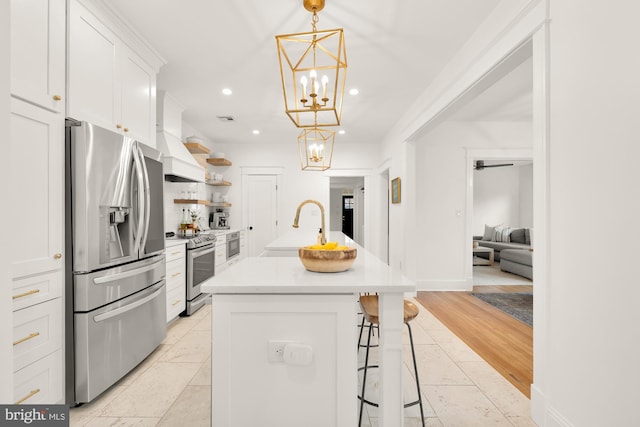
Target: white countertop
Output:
[{"x": 279, "y": 275}]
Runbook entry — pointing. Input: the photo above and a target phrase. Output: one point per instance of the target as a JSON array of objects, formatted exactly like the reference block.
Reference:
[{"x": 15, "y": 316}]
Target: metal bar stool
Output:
[{"x": 369, "y": 305}]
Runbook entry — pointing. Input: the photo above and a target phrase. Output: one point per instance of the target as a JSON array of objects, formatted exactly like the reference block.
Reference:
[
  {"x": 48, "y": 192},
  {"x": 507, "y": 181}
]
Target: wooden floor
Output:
[{"x": 504, "y": 342}]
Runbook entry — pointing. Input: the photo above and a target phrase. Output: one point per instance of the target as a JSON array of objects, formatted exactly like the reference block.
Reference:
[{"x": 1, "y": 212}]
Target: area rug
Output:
[{"x": 518, "y": 305}]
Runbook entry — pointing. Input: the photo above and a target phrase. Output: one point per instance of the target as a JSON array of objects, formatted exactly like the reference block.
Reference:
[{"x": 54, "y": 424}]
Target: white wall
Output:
[
  {"x": 593, "y": 316},
  {"x": 526, "y": 196},
  {"x": 297, "y": 185},
  {"x": 441, "y": 163},
  {"x": 335, "y": 210},
  {"x": 500, "y": 195},
  {"x": 6, "y": 313}
]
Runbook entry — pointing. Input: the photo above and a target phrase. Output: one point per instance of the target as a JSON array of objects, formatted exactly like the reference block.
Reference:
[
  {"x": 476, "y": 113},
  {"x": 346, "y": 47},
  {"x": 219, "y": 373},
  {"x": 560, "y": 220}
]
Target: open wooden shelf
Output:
[
  {"x": 196, "y": 148},
  {"x": 192, "y": 202},
  {"x": 220, "y": 204},
  {"x": 219, "y": 183},
  {"x": 218, "y": 162}
]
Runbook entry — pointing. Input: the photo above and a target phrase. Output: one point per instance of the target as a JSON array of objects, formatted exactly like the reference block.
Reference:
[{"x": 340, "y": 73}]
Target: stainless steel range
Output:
[{"x": 201, "y": 265}]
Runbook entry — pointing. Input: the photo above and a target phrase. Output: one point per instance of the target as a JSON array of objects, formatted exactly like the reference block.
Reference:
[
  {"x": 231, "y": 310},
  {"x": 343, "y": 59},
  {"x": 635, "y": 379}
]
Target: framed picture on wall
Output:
[{"x": 395, "y": 190}]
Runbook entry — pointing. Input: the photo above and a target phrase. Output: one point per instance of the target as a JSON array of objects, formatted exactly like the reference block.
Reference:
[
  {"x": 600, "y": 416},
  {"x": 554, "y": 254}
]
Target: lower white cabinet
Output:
[
  {"x": 36, "y": 332},
  {"x": 221, "y": 253},
  {"x": 41, "y": 382},
  {"x": 176, "y": 278}
]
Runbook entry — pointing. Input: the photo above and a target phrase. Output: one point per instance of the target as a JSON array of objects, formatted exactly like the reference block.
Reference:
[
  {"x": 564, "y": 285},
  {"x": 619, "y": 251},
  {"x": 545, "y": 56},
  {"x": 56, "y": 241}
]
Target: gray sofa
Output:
[{"x": 515, "y": 255}]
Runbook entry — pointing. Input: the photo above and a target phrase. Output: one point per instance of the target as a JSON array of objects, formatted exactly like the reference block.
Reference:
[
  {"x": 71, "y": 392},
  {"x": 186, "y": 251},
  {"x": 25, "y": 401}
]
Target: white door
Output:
[
  {"x": 38, "y": 52},
  {"x": 37, "y": 145},
  {"x": 262, "y": 225}
]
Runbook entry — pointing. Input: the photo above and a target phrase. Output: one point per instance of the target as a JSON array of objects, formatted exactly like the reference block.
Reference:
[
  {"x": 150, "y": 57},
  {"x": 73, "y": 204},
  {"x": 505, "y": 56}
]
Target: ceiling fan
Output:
[{"x": 480, "y": 165}]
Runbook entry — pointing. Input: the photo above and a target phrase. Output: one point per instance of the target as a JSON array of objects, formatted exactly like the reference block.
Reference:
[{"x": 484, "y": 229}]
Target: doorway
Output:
[
  {"x": 347, "y": 206},
  {"x": 347, "y": 215}
]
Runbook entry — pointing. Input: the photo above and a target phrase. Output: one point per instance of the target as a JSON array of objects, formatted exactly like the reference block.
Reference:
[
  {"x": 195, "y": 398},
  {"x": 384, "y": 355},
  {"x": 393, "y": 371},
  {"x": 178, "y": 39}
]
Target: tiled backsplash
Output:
[{"x": 173, "y": 211}]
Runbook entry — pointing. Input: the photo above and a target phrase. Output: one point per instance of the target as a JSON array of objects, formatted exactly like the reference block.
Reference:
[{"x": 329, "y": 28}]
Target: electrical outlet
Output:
[{"x": 275, "y": 351}]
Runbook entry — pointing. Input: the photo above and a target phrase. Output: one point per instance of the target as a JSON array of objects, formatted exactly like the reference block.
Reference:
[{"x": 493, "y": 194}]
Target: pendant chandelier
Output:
[
  {"x": 313, "y": 68},
  {"x": 315, "y": 148}
]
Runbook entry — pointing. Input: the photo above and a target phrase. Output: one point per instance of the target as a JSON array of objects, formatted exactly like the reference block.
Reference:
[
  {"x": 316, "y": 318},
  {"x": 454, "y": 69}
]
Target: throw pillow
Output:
[
  {"x": 502, "y": 234},
  {"x": 518, "y": 236},
  {"x": 489, "y": 231}
]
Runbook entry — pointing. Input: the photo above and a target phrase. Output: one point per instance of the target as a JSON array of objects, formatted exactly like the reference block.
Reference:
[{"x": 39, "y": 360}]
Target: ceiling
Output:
[{"x": 394, "y": 50}]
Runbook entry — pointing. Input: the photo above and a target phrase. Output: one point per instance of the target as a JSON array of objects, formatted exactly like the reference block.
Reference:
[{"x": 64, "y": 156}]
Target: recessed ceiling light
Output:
[
  {"x": 256, "y": 132},
  {"x": 226, "y": 91},
  {"x": 353, "y": 91},
  {"x": 342, "y": 132}
]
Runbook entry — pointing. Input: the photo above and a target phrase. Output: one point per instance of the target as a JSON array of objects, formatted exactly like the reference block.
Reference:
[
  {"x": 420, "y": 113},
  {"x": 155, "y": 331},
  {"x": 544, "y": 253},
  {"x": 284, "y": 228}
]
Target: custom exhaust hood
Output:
[{"x": 179, "y": 164}]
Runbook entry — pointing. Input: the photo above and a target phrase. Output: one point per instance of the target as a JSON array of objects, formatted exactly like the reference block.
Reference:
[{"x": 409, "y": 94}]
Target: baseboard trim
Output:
[
  {"x": 543, "y": 415},
  {"x": 441, "y": 285}
]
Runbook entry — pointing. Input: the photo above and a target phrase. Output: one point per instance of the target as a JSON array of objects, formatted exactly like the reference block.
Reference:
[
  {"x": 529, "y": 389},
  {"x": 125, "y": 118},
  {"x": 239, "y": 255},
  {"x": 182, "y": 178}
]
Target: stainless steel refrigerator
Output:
[{"x": 115, "y": 281}]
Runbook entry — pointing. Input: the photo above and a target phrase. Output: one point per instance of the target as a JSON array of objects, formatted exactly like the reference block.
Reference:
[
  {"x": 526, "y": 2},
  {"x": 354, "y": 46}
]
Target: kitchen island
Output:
[{"x": 284, "y": 339}]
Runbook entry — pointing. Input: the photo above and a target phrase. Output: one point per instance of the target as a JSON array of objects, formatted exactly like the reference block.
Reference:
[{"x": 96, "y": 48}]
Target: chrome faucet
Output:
[{"x": 295, "y": 221}]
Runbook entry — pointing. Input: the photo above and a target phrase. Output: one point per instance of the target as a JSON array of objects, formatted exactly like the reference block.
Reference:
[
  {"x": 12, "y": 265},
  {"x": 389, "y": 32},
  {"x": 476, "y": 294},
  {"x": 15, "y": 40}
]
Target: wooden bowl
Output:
[{"x": 327, "y": 261}]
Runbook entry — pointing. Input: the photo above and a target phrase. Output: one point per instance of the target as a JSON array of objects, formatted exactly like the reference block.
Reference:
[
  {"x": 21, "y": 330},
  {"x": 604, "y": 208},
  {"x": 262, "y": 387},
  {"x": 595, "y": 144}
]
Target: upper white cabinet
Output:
[
  {"x": 38, "y": 52},
  {"x": 109, "y": 84}
]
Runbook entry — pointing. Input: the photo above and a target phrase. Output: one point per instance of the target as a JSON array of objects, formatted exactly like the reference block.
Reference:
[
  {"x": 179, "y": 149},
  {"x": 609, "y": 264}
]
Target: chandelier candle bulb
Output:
[
  {"x": 303, "y": 82},
  {"x": 325, "y": 80}
]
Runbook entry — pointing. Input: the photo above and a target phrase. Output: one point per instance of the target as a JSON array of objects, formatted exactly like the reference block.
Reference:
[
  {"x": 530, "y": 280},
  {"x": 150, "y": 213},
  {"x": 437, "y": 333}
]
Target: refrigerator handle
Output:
[
  {"x": 147, "y": 199},
  {"x": 141, "y": 207}
]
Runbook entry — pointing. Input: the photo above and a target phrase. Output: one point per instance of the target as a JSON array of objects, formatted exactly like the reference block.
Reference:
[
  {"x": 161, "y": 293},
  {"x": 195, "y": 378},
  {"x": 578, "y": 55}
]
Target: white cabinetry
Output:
[
  {"x": 37, "y": 145},
  {"x": 109, "y": 84},
  {"x": 38, "y": 52},
  {"x": 243, "y": 244},
  {"x": 176, "y": 278},
  {"x": 221, "y": 253},
  {"x": 37, "y": 270}
]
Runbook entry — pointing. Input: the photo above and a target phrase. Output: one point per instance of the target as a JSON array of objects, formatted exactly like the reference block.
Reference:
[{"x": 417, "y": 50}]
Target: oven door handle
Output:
[
  {"x": 196, "y": 253},
  {"x": 120, "y": 310}
]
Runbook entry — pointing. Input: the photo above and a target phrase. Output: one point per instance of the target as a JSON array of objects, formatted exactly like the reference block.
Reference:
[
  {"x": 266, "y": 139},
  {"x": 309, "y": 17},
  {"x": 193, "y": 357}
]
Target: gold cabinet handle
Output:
[
  {"x": 57, "y": 255},
  {"x": 27, "y": 338},
  {"x": 57, "y": 98},
  {"x": 176, "y": 274},
  {"x": 126, "y": 129},
  {"x": 176, "y": 302},
  {"x": 31, "y": 394},
  {"x": 119, "y": 126},
  {"x": 175, "y": 253},
  {"x": 24, "y": 294}
]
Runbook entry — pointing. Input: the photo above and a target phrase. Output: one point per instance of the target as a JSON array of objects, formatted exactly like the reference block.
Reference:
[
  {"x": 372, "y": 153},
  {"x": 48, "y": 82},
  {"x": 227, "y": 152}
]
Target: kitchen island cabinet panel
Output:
[
  {"x": 317, "y": 393},
  {"x": 38, "y": 52}
]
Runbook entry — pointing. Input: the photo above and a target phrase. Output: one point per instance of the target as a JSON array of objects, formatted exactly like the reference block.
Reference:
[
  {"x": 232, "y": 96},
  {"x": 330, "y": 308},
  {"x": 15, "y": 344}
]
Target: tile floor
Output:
[{"x": 172, "y": 386}]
